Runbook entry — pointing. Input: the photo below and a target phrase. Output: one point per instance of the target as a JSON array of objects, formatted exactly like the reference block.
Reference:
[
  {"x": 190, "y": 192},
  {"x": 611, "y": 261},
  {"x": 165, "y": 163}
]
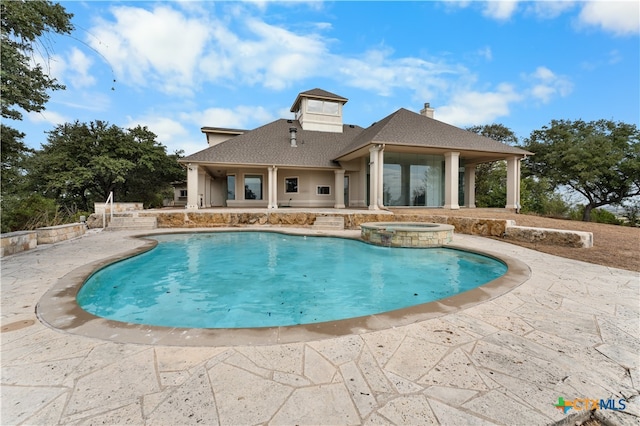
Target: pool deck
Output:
[{"x": 572, "y": 330}]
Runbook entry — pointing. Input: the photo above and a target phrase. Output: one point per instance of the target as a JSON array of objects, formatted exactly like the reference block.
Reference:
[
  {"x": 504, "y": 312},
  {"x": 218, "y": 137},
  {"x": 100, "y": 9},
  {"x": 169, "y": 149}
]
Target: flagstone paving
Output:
[{"x": 572, "y": 330}]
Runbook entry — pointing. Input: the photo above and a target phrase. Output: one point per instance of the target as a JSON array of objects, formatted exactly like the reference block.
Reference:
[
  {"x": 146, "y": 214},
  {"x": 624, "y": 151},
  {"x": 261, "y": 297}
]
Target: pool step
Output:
[
  {"x": 121, "y": 223},
  {"x": 333, "y": 223}
]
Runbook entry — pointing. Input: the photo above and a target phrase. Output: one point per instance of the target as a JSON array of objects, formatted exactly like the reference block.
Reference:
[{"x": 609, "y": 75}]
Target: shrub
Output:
[{"x": 597, "y": 215}]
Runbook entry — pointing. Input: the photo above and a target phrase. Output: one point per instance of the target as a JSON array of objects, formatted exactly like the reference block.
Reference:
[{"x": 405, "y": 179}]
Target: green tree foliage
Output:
[
  {"x": 14, "y": 154},
  {"x": 23, "y": 84},
  {"x": 597, "y": 215},
  {"x": 632, "y": 213},
  {"x": 81, "y": 163},
  {"x": 537, "y": 196},
  {"x": 24, "y": 87},
  {"x": 491, "y": 178},
  {"x": 598, "y": 159}
]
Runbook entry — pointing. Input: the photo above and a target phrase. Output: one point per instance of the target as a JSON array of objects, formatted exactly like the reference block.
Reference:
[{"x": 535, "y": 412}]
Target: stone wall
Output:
[
  {"x": 16, "y": 242},
  {"x": 501, "y": 228},
  {"x": 99, "y": 208},
  {"x": 557, "y": 237},
  {"x": 195, "y": 219},
  {"x": 54, "y": 234}
]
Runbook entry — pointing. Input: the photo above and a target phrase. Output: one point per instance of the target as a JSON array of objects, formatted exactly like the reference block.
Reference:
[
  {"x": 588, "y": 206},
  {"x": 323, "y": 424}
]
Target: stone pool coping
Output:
[{"x": 58, "y": 308}]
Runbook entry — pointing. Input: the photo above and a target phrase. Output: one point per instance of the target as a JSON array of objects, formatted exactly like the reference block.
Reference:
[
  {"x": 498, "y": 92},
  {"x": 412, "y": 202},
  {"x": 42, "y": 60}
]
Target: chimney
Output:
[
  {"x": 292, "y": 134},
  {"x": 427, "y": 111}
]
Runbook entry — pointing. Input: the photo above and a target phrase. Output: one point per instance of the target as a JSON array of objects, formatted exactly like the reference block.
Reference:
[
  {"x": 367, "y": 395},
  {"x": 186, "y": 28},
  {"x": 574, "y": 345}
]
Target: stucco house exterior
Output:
[{"x": 315, "y": 160}]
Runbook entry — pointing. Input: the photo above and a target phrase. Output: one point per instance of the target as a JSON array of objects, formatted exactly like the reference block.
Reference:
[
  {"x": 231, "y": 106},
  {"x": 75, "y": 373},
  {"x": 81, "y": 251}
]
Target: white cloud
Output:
[
  {"x": 161, "y": 45},
  {"x": 170, "y": 133},
  {"x": 485, "y": 53},
  {"x": 549, "y": 9},
  {"x": 239, "y": 117},
  {"x": 547, "y": 85},
  {"x": 79, "y": 69},
  {"x": 500, "y": 10},
  {"x": 618, "y": 17},
  {"x": 467, "y": 108},
  {"x": 49, "y": 117},
  {"x": 379, "y": 72}
]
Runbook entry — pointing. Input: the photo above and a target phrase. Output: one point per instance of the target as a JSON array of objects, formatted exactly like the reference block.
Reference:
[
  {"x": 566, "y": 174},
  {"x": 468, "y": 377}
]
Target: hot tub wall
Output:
[{"x": 406, "y": 238}]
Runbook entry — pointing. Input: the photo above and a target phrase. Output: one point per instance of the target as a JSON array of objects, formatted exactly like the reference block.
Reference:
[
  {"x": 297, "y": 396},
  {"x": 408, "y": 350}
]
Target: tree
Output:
[
  {"x": 81, "y": 163},
  {"x": 24, "y": 85},
  {"x": 491, "y": 178},
  {"x": 599, "y": 160}
]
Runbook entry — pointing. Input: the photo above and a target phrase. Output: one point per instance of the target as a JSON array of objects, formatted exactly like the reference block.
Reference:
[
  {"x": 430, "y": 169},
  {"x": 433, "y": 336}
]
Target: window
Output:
[
  {"x": 231, "y": 187},
  {"x": 253, "y": 187},
  {"x": 323, "y": 190},
  {"x": 291, "y": 185},
  {"x": 183, "y": 193},
  {"x": 323, "y": 107}
]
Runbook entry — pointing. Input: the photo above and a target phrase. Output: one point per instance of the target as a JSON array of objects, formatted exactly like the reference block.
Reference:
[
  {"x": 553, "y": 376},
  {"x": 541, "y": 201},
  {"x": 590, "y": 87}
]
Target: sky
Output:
[{"x": 177, "y": 66}]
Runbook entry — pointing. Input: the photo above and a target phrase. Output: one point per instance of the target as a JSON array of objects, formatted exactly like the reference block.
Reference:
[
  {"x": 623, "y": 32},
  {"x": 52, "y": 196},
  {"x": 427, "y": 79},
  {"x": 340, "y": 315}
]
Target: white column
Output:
[
  {"x": 273, "y": 188},
  {"x": 373, "y": 177},
  {"x": 339, "y": 189},
  {"x": 470, "y": 186},
  {"x": 513, "y": 183},
  {"x": 193, "y": 175},
  {"x": 451, "y": 166},
  {"x": 381, "y": 176}
]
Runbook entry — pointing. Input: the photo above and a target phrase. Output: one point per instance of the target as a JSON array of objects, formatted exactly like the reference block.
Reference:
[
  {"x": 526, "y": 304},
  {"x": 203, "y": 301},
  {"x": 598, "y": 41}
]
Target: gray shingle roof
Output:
[
  {"x": 271, "y": 145},
  {"x": 407, "y": 128},
  {"x": 317, "y": 94}
]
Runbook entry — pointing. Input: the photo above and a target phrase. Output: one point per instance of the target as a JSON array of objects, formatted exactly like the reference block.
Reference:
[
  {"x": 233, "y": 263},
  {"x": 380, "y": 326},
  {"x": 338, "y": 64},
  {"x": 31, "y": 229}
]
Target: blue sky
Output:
[{"x": 182, "y": 65}]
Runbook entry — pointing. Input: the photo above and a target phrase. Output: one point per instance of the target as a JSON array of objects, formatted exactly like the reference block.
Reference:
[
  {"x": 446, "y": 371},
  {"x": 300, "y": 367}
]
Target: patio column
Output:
[
  {"x": 339, "y": 191},
  {"x": 381, "y": 176},
  {"x": 470, "y": 186},
  {"x": 373, "y": 177},
  {"x": 273, "y": 188},
  {"x": 451, "y": 166},
  {"x": 513, "y": 183},
  {"x": 193, "y": 174}
]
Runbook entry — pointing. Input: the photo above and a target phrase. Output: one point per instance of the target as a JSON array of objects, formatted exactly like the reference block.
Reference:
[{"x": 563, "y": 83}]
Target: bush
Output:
[
  {"x": 597, "y": 215},
  {"x": 27, "y": 213},
  {"x": 632, "y": 214}
]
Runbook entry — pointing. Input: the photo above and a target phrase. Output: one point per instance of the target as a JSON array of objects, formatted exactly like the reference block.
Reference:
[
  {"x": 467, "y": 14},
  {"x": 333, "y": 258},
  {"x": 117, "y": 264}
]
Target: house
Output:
[
  {"x": 179, "y": 195},
  {"x": 315, "y": 160}
]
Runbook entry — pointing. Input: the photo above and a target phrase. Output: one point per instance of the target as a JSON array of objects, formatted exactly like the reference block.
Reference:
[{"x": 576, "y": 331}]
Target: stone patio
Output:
[{"x": 572, "y": 330}]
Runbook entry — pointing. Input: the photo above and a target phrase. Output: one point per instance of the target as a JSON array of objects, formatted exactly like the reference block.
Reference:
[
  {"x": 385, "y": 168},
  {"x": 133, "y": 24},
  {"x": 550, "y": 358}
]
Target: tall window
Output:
[
  {"x": 231, "y": 187},
  {"x": 291, "y": 185},
  {"x": 253, "y": 187},
  {"x": 413, "y": 180}
]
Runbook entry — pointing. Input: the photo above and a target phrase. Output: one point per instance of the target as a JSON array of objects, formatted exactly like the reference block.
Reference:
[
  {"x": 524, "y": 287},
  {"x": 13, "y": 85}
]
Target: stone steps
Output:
[
  {"x": 121, "y": 223},
  {"x": 330, "y": 223}
]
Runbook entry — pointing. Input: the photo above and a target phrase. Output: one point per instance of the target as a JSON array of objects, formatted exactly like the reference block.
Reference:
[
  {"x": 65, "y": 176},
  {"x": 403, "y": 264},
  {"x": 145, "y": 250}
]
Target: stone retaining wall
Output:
[
  {"x": 193, "y": 219},
  {"x": 16, "y": 242},
  {"x": 501, "y": 228},
  {"x": 100, "y": 208},
  {"x": 557, "y": 237},
  {"x": 54, "y": 234}
]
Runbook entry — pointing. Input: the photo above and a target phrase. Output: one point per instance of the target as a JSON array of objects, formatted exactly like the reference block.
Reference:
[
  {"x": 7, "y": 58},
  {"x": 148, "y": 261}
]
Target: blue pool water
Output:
[{"x": 262, "y": 279}]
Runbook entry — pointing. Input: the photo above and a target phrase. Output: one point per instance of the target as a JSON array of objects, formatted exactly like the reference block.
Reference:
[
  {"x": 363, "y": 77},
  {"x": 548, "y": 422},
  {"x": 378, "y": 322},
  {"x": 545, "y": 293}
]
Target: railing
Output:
[{"x": 104, "y": 212}]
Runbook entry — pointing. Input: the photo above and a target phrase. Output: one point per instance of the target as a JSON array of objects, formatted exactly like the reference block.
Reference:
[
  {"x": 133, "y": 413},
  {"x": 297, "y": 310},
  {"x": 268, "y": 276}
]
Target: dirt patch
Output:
[{"x": 615, "y": 246}]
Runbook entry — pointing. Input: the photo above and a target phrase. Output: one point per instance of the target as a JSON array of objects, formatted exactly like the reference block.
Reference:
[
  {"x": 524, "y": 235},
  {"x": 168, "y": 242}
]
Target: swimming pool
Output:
[{"x": 266, "y": 279}]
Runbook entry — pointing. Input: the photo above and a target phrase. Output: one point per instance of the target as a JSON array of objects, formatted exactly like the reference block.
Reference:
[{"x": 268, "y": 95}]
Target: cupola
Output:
[{"x": 319, "y": 110}]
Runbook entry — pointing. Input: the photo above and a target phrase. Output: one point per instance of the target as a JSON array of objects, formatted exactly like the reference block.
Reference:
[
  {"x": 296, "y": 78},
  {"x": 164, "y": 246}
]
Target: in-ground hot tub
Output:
[{"x": 406, "y": 234}]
